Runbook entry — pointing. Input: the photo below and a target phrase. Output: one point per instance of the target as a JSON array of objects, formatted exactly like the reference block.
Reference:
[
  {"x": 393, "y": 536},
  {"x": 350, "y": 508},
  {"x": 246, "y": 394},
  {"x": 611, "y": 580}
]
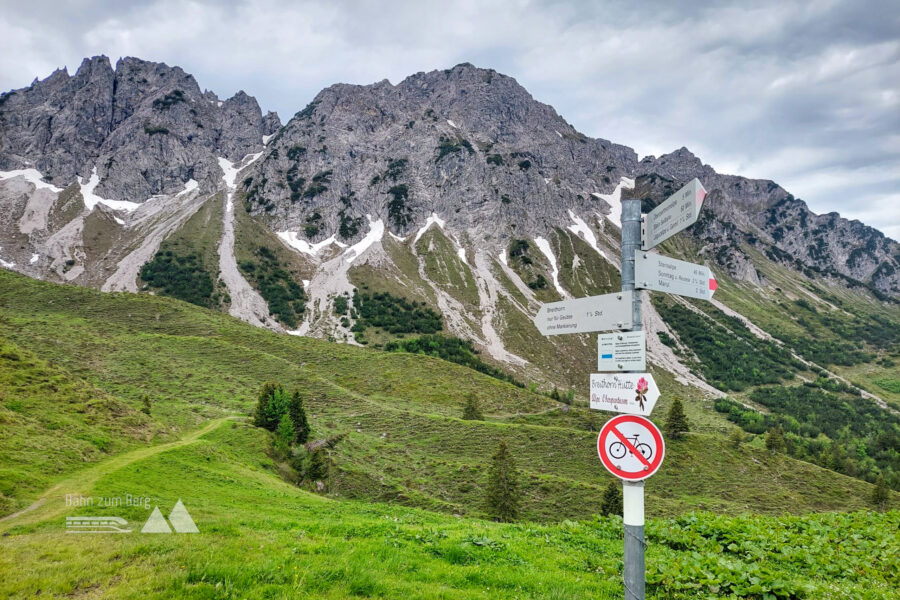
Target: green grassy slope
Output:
[
  {"x": 262, "y": 538},
  {"x": 400, "y": 411}
]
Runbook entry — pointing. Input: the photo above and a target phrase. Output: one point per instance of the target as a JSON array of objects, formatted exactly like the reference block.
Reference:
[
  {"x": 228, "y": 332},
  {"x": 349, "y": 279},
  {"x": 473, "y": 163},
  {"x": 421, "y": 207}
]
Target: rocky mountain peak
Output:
[{"x": 144, "y": 128}]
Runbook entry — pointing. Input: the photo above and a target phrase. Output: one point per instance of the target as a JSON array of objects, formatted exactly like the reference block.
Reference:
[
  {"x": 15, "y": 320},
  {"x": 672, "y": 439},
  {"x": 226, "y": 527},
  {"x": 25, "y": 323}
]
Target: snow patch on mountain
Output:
[
  {"x": 5, "y": 264},
  {"x": 32, "y": 176},
  {"x": 461, "y": 252},
  {"x": 433, "y": 219},
  {"x": 376, "y": 232},
  {"x": 615, "y": 200},
  {"x": 91, "y": 199},
  {"x": 580, "y": 227},
  {"x": 544, "y": 246},
  {"x": 292, "y": 239}
]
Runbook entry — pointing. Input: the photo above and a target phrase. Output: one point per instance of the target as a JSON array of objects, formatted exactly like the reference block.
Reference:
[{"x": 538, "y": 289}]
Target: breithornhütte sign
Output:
[{"x": 630, "y": 393}]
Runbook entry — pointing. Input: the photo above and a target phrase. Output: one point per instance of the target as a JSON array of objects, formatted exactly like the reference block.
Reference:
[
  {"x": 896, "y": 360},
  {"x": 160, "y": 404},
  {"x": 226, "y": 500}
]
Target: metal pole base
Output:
[{"x": 633, "y": 516}]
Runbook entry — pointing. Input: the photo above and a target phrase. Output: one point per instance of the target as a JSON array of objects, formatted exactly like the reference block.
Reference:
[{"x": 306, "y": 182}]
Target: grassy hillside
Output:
[
  {"x": 400, "y": 412},
  {"x": 262, "y": 538},
  {"x": 75, "y": 366}
]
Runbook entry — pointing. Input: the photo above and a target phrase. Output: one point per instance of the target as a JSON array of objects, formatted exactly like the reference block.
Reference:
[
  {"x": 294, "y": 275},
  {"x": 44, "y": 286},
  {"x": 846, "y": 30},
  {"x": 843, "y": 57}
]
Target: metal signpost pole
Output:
[{"x": 633, "y": 492}]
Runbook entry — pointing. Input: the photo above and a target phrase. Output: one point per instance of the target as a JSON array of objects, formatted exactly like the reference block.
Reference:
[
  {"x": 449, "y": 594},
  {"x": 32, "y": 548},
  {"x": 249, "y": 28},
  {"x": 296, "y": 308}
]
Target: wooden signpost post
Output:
[{"x": 629, "y": 445}]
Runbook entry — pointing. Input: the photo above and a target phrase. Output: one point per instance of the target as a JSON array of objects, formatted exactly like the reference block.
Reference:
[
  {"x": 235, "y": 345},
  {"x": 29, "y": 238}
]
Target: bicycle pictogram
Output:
[{"x": 618, "y": 449}]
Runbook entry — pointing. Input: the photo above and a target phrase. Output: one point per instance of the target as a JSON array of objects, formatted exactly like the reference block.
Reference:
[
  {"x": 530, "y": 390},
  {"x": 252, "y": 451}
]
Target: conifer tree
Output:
[
  {"x": 736, "y": 438},
  {"x": 145, "y": 400},
  {"x": 611, "y": 504},
  {"x": 271, "y": 405},
  {"x": 298, "y": 419},
  {"x": 676, "y": 421},
  {"x": 472, "y": 409},
  {"x": 284, "y": 435},
  {"x": 880, "y": 494},
  {"x": 503, "y": 486},
  {"x": 775, "y": 440},
  {"x": 262, "y": 404},
  {"x": 317, "y": 465}
]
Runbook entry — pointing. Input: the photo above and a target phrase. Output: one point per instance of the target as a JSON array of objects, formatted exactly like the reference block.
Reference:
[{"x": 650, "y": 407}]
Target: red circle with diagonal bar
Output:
[{"x": 631, "y": 447}]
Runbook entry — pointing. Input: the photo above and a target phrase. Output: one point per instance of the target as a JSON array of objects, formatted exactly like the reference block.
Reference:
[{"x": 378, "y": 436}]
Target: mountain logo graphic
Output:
[{"x": 180, "y": 519}]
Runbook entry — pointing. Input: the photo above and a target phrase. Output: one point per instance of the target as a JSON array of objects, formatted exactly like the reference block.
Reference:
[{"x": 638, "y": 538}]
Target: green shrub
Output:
[
  {"x": 182, "y": 276},
  {"x": 398, "y": 212},
  {"x": 451, "y": 349},
  {"x": 394, "y": 314},
  {"x": 472, "y": 408},
  {"x": 155, "y": 129},
  {"x": 503, "y": 486},
  {"x": 286, "y": 297},
  {"x": 169, "y": 100}
]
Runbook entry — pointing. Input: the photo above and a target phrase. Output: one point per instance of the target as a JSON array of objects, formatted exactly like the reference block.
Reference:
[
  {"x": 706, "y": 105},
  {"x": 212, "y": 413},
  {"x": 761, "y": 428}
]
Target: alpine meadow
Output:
[{"x": 373, "y": 351}]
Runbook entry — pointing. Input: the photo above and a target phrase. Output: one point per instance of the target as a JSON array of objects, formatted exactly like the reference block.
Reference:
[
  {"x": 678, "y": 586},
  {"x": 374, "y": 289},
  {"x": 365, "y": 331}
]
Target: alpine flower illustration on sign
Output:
[{"x": 641, "y": 390}]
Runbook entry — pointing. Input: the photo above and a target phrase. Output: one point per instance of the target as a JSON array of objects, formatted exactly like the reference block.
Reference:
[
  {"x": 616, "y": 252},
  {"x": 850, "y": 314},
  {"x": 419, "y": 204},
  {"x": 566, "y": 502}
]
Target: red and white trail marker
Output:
[{"x": 631, "y": 447}]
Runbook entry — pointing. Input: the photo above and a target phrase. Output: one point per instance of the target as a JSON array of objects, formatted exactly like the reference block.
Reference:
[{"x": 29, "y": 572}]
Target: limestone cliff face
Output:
[
  {"x": 468, "y": 145},
  {"x": 765, "y": 215},
  {"x": 145, "y": 127}
]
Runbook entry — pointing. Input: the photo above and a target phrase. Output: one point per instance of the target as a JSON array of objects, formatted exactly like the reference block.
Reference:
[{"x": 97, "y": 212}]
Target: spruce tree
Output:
[
  {"x": 298, "y": 419},
  {"x": 880, "y": 494},
  {"x": 503, "y": 486},
  {"x": 611, "y": 504},
  {"x": 775, "y": 440},
  {"x": 272, "y": 404},
  {"x": 317, "y": 465},
  {"x": 262, "y": 404},
  {"x": 284, "y": 435},
  {"x": 145, "y": 400},
  {"x": 676, "y": 421},
  {"x": 472, "y": 409}
]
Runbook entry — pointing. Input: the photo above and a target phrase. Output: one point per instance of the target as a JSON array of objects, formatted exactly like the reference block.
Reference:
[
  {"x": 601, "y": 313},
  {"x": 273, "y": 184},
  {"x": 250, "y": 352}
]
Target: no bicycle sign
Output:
[{"x": 631, "y": 447}]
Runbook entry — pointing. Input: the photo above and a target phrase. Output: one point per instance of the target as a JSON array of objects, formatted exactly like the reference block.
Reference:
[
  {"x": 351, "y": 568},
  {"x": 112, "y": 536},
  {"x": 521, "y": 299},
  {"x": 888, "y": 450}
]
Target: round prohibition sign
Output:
[{"x": 631, "y": 447}]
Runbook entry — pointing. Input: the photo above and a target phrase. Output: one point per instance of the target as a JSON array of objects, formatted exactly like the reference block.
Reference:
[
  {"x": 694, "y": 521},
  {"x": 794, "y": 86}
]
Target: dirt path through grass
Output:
[{"x": 83, "y": 481}]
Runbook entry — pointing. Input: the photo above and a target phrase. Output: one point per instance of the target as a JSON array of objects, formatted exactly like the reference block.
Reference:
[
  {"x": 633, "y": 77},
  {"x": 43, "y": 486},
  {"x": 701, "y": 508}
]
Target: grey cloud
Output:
[{"x": 805, "y": 93}]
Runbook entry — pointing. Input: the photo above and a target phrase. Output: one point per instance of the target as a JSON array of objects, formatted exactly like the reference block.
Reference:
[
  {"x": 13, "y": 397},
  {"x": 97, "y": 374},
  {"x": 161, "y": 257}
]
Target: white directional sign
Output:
[
  {"x": 630, "y": 393},
  {"x": 584, "y": 315},
  {"x": 623, "y": 351},
  {"x": 663, "y": 274},
  {"x": 679, "y": 211}
]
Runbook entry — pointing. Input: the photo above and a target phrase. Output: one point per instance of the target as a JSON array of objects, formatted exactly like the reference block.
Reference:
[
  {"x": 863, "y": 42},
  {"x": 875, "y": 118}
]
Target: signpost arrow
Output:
[
  {"x": 631, "y": 448},
  {"x": 584, "y": 315},
  {"x": 663, "y": 274},
  {"x": 622, "y": 351},
  {"x": 679, "y": 211},
  {"x": 630, "y": 393}
]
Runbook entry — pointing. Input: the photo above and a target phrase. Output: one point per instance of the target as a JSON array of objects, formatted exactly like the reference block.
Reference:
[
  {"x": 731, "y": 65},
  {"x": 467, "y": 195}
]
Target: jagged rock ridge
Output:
[{"x": 145, "y": 127}]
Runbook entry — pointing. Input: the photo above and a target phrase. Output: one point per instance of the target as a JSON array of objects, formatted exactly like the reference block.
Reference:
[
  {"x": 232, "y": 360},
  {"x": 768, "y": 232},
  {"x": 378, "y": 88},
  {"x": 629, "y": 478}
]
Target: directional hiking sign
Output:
[
  {"x": 584, "y": 315},
  {"x": 631, "y": 393},
  {"x": 622, "y": 351},
  {"x": 631, "y": 447},
  {"x": 663, "y": 274},
  {"x": 679, "y": 211}
]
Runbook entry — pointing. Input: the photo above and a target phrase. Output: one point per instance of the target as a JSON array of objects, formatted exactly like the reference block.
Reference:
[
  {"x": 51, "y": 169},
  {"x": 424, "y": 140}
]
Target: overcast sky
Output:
[{"x": 805, "y": 93}]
